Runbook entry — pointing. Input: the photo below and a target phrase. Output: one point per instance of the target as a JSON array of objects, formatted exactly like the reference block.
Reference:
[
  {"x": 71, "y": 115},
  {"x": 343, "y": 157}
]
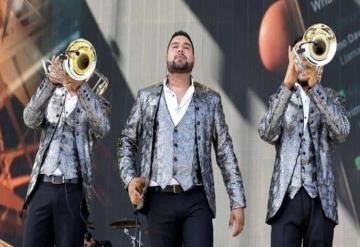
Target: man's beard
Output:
[{"x": 174, "y": 67}]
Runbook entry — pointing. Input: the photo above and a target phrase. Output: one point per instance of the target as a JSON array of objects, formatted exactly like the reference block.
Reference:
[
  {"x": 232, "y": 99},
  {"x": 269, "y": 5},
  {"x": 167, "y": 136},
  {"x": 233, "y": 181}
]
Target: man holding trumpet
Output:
[
  {"x": 71, "y": 117},
  {"x": 304, "y": 121}
]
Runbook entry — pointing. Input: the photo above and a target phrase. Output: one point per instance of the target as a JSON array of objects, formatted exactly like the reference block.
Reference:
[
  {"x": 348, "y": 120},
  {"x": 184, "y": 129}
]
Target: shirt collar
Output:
[
  {"x": 168, "y": 89},
  {"x": 169, "y": 94}
]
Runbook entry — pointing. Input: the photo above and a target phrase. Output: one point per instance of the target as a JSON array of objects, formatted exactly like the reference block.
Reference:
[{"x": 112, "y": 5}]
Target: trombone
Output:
[{"x": 79, "y": 62}]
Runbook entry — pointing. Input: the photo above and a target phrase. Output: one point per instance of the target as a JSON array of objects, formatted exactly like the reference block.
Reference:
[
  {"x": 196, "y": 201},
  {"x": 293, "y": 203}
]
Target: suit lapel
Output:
[
  {"x": 152, "y": 103},
  {"x": 151, "y": 108},
  {"x": 201, "y": 122}
]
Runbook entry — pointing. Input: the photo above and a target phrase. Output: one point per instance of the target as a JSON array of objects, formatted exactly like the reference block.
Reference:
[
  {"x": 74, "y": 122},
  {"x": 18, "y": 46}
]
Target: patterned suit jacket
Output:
[
  {"x": 92, "y": 123},
  {"x": 282, "y": 126},
  {"x": 138, "y": 135}
]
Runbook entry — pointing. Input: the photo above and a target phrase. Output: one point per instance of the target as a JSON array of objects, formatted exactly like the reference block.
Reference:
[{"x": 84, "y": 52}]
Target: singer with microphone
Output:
[{"x": 172, "y": 127}]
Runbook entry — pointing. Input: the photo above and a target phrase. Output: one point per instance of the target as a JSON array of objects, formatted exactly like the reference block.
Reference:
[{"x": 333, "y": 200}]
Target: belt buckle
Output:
[{"x": 176, "y": 189}]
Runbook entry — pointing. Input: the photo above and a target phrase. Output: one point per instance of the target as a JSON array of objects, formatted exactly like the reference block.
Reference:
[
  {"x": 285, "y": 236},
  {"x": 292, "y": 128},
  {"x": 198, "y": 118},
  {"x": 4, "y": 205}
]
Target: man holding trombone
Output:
[
  {"x": 71, "y": 118},
  {"x": 304, "y": 121}
]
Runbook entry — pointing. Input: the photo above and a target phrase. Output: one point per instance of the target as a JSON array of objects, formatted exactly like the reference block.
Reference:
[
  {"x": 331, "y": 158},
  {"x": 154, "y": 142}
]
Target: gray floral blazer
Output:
[
  {"x": 92, "y": 123},
  {"x": 282, "y": 126},
  {"x": 138, "y": 134}
]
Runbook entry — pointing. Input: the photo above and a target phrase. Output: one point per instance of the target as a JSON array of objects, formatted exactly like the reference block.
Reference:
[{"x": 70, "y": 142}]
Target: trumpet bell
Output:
[
  {"x": 80, "y": 59},
  {"x": 320, "y": 44}
]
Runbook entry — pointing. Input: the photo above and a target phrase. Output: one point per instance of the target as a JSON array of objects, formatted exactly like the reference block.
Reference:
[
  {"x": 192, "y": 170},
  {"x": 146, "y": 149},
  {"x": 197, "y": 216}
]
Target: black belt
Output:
[
  {"x": 175, "y": 189},
  {"x": 57, "y": 179}
]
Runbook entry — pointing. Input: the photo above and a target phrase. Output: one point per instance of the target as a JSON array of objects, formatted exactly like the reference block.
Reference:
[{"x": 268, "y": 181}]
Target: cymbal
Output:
[{"x": 121, "y": 224}]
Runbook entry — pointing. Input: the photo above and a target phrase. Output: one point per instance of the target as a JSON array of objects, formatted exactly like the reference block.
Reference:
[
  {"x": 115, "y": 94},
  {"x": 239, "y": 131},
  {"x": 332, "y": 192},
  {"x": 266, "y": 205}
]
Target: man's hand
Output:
[
  {"x": 135, "y": 189},
  {"x": 291, "y": 72},
  {"x": 309, "y": 74},
  {"x": 237, "y": 220},
  {"x": 71, "y": 84},
  {"x": 56, "y": 71}
]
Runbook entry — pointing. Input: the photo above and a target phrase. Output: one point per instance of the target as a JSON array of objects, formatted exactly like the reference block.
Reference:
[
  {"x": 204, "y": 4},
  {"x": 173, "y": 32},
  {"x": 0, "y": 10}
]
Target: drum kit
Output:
[{"x": 126, "y": 226}]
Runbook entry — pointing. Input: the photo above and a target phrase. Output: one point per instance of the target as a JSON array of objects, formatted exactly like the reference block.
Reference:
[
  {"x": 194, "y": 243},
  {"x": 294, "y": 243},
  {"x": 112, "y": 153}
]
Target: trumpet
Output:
[
  {"x": 79, "y": 61},
  {"x": 318, "y": 47}
]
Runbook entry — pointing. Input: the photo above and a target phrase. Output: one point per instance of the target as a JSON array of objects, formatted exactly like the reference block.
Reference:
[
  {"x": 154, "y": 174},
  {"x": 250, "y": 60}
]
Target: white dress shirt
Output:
[
  {"x": 306, "y": 103},
  {"x": 177, "y": 111}
]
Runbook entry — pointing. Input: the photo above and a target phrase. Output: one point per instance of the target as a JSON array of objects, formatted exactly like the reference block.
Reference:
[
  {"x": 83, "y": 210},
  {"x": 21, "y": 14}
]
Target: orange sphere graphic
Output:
[{"x": 274, "y": 37}]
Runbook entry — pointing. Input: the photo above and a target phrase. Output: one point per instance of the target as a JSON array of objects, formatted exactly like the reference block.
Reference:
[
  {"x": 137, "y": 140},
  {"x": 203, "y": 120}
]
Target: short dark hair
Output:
[{"x": 181, "y": 33}]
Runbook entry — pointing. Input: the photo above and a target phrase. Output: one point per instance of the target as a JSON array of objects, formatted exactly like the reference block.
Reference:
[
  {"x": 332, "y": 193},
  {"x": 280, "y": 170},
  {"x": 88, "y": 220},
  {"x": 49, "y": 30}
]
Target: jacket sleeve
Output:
[
  {"x": 34, "y": 112},
  {"x": 226, "y": 158},
  {"x": 331, "y": 105},
  {"x": 128, "y": 143},
  {"x": 270, "y": 126},
  {"x": 97, "y": 110}
]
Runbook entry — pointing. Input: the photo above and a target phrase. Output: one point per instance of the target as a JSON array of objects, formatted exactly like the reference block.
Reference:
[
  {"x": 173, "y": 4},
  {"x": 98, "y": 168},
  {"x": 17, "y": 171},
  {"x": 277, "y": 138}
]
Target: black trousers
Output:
[
  {"x": 56, "y": 215},
  {"x": 183, "y": 219},
  {"x": 301, "y": 220}
]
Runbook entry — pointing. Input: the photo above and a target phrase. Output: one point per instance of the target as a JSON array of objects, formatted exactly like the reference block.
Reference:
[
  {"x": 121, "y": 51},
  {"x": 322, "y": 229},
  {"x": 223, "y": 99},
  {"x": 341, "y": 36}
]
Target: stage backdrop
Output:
[{"x": 241, "y": 51}]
